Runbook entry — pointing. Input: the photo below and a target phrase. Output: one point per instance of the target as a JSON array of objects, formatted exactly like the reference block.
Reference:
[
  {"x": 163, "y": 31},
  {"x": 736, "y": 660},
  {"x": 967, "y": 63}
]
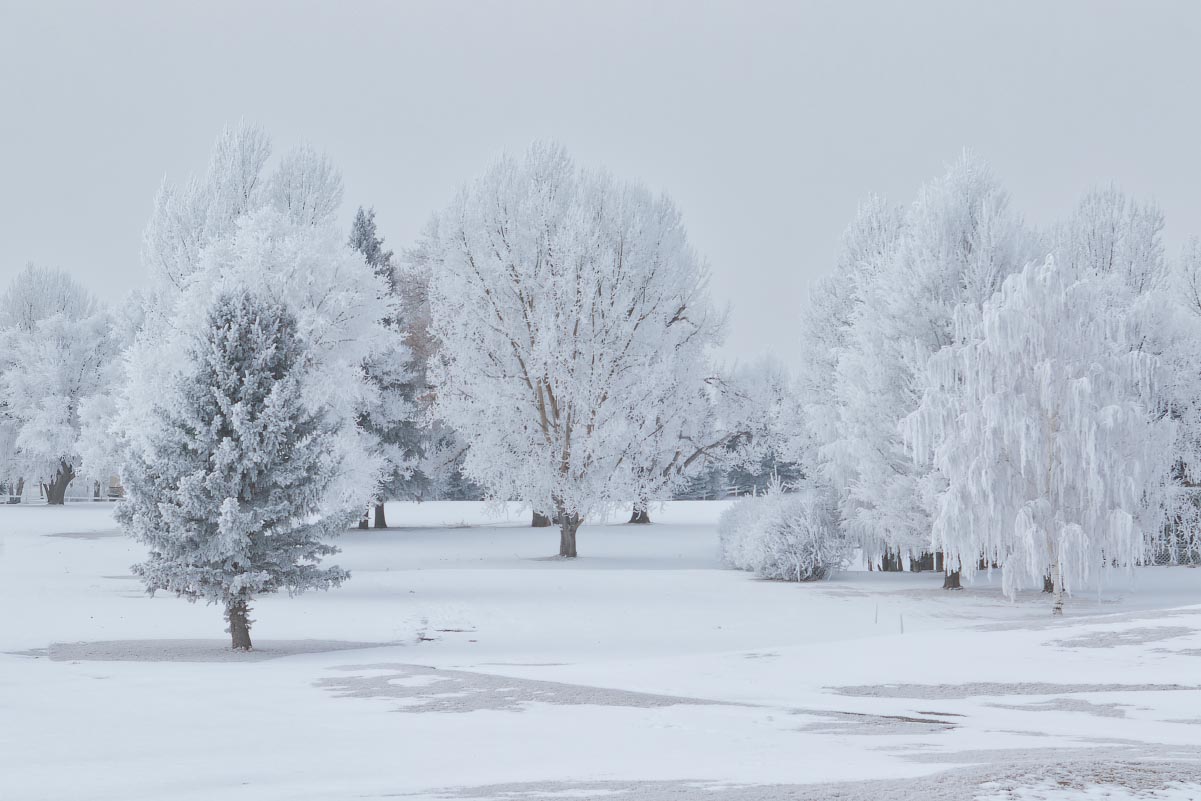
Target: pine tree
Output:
[
  {"x": 273, "y": 232},
  {"x": 392, "y": 420},
  {"x": 228, "y": 493},
  {"x": 366, "y": 240}
]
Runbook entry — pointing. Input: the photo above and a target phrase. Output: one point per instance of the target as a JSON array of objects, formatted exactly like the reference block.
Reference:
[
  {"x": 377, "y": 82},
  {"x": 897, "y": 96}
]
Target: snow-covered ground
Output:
[{"x": 460, "y": 663}]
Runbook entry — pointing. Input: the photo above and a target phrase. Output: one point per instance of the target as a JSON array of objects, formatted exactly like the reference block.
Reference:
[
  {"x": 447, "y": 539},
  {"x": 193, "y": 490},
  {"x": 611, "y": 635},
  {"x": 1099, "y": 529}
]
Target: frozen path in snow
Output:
[{"x": 459, "y": 663}]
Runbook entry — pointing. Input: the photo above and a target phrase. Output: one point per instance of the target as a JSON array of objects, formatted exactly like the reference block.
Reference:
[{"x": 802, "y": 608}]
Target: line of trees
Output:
[
  {"x": 547, "y": 340},
  {"x": 970, "y": 386},
  {"x": 982, "y": 395}
]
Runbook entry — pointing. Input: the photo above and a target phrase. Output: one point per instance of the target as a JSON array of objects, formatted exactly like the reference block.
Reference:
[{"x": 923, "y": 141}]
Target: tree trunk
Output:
[
  {"x": 641, "y": 516},
  {"x": 1057, "y": 580},
  {"x": 922, "y": 563},
  {"x": 1048, "y": 585},
  {"x": 237, "y": 613},
  {"x": 951, "y": 581},
  {"x": 567, "y": 531},
  {"x": 540, "y": 521},
  {"x": 364, "y": 521},
  {"x": 380, "y": 520},
  {"x": 56, "y": 490}
]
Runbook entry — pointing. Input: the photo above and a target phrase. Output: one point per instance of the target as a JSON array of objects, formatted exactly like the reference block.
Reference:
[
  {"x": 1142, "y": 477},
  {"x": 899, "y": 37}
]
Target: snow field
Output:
[{"x": 476, "y": 667}]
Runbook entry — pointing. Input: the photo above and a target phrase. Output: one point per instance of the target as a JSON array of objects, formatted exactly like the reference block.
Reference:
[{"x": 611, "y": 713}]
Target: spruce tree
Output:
[
  {"x": 392, "y": 420},
  {"x": 365, "y": 239},
  {"x": 228, "y": 493}
]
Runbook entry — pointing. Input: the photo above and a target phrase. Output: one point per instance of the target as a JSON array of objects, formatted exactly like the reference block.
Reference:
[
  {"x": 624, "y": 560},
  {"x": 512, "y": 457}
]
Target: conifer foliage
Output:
[
  {"x": 228, "y": 498},
  {"x": 391, "y": 419}
]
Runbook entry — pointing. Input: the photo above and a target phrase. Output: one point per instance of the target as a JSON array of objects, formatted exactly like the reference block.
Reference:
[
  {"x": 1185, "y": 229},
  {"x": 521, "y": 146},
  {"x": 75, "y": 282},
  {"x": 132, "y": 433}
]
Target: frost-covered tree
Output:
[
  {"x": 229, "y": 497},
  {"x": 275, "y": 235},
  {"x": 59, "y": 351},
  {"x": 365, "y": 238},
  {"x": 393, "y": 419},
  {"x": 684, "y": 430},
  {"x": 955, "y": 245},
  {"x": 306, "y": 187},
  {"x": 207, "y": 207},
  {"x": 561, "y": 300},
  {"x": 869, "y": 243},
  {"x": 1174, "y": 316},
  {"x": 742, "y": 421},
  {"x": 761, "y": 407},
  {"x": 440, "y": 471},
  {"x": 1041, "y": 421},
  {"x": 1109, "y": 233},
  {"x": 102, "y": 443}
]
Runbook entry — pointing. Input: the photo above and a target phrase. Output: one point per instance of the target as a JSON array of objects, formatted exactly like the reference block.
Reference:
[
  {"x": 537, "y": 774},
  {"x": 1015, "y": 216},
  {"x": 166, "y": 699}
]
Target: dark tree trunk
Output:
[
  {"x": 540, "y": 521},
  {"x": 641, "y": 516},
  {"x": 1048, "y": 584},
  {"x": 922, "y": 563},
  {"x": 364, "y": 521},
  {"x": 238, "y": 615},
  {"x": 567, "y": 531},
  {"x": 380, "y": 520},
  {"x": 951, "y": 581},
  {"x": 56, "y": 490},
  {"x": 891, "y": 563}
]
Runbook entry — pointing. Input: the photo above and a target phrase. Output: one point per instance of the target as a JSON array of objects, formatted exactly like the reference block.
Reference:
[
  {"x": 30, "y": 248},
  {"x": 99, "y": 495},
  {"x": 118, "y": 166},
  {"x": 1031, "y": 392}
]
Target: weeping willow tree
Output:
[{"x": 1043, "y": 422}]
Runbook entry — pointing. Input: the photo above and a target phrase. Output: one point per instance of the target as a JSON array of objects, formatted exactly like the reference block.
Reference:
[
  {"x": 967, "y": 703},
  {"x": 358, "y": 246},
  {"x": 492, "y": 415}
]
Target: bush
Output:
[{"x": 785, "y": 536}]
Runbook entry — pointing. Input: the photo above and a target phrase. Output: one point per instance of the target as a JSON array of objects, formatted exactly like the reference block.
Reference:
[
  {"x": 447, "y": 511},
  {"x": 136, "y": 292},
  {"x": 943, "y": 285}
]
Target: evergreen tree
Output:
[
  {"x": 366, "y": 240},
  {"x": 392, "y": 419},
  {"x": 228, "y": 494}
]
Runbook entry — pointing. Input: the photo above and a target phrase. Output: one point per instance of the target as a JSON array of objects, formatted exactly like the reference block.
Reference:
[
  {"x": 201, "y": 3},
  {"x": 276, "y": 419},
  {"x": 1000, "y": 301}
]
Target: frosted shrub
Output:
[
  {"x": 785, "y": 536},
  {"x": 734, "y": 529}
]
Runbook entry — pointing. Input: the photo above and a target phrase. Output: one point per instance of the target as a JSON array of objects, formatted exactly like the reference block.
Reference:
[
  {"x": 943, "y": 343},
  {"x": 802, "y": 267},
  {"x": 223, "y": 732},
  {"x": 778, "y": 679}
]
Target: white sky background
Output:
[{"x": 767, "y": 122}]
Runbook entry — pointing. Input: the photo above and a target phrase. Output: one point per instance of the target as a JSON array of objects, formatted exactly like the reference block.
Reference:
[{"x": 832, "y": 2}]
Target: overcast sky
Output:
[{"x": 767, "y": 121}]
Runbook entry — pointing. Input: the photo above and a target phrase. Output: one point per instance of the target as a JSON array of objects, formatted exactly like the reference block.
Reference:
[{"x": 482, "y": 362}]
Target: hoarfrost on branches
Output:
[
  {"x": 788, "y": 536},
  {"x": 274, "y": 235},
  {"x": 569, "y": 310},
  {"x": 59, "y": 354},
  {"x": 1043, "y": 423},
  {"x": 228, "y": 492},
  {"x": 906, "y": 275}
]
